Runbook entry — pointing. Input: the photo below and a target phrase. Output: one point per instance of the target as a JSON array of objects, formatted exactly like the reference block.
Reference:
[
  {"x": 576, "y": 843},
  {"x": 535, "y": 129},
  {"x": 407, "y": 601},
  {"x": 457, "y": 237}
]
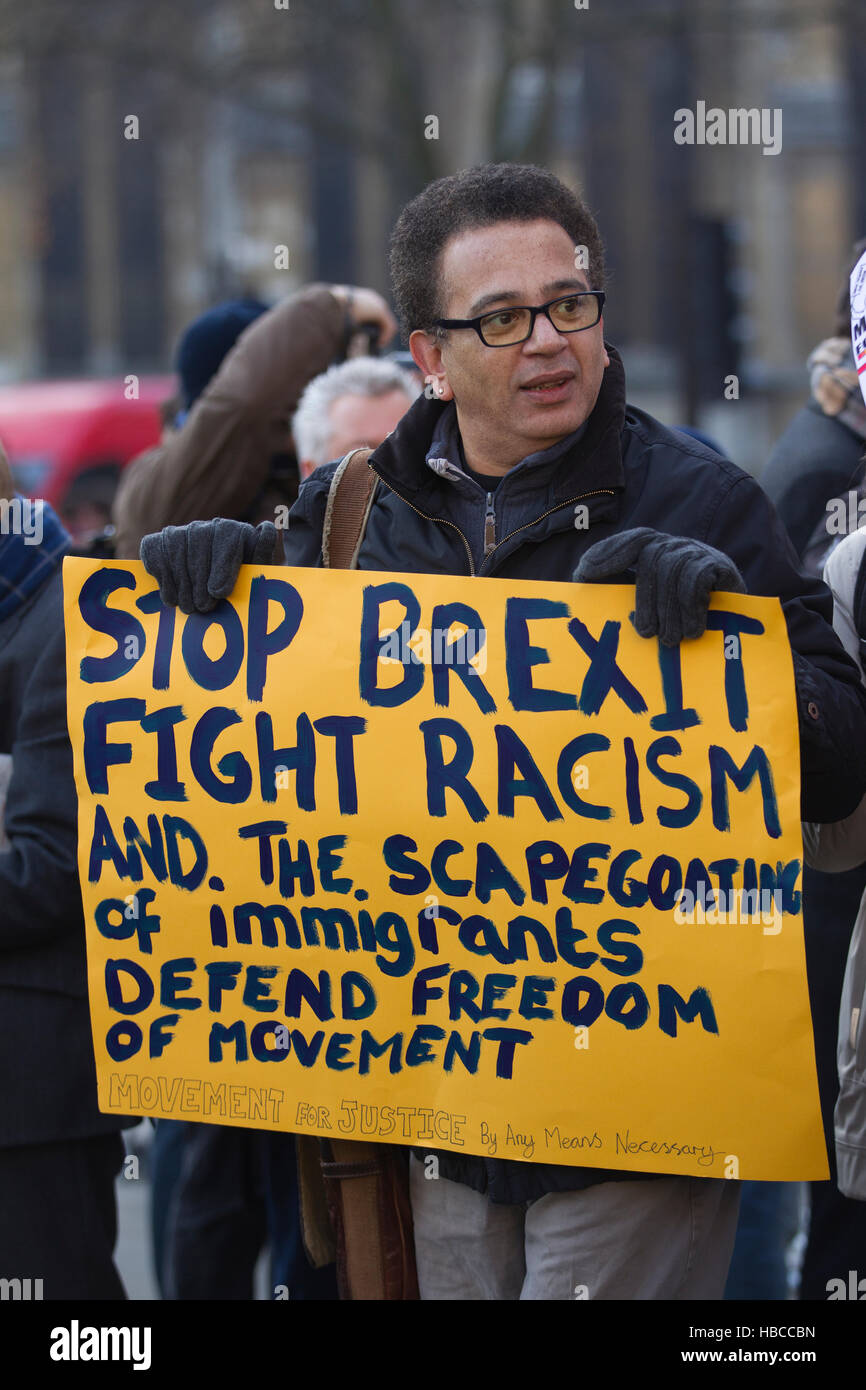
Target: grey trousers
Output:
[{"x": 669, "y": 1238}]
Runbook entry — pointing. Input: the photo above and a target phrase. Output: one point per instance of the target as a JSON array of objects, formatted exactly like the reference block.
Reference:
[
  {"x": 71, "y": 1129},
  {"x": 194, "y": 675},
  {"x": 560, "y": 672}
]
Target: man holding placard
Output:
[{"x": 523, "y": 462}]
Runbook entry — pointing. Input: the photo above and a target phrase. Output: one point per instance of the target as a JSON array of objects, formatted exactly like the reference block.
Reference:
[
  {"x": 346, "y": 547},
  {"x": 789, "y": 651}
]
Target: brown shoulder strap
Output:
[
  {"x": 368, "y": 1190},
  {"x": 350, "y": 498}
]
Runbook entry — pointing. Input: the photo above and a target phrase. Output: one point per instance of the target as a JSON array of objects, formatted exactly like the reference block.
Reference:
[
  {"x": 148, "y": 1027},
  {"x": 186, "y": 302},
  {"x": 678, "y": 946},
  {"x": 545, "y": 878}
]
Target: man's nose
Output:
[{"x": 544, "y": 336}]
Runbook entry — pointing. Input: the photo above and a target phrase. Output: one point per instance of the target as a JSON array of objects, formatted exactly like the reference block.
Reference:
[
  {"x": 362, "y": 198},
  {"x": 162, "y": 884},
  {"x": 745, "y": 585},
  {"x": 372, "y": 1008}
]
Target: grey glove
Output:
[
  {"x": 196, "y": 566},
  {"x": 674, "y": 577}
]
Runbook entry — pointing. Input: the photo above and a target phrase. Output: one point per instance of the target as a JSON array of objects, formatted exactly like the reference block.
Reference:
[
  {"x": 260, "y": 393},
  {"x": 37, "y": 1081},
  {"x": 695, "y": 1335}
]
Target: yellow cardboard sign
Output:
[{"x": 466, "y": 865}]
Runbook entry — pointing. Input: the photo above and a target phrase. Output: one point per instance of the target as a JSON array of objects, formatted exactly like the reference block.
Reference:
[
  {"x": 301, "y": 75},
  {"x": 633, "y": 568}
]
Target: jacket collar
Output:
[
  {"x": 594, "y": 459},
  {"x": 445, "y": 456}
]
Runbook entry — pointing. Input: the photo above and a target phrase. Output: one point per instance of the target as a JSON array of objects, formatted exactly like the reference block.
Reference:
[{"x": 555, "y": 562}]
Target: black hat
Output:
[{"x": 208, "y": 340}]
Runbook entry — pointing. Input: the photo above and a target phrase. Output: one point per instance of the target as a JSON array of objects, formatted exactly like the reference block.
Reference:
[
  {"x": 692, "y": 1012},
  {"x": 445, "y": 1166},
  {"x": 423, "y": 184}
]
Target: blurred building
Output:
[{"x": 154, "y": 159}]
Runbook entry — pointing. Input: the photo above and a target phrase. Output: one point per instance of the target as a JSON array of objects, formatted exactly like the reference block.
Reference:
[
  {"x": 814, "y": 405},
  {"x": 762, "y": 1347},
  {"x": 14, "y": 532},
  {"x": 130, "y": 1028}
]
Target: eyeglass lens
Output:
[{"x": 513, "y": 325}]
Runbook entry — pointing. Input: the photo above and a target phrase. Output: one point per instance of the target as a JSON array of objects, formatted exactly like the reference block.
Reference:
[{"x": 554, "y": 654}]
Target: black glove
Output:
[
  {"x": 674, "y": 577},
  {"x": 196, "y": 566}
]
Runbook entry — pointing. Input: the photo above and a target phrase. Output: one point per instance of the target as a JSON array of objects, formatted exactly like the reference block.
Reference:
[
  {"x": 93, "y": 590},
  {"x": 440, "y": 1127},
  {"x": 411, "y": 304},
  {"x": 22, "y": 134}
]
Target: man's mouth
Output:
[{"x": 551, "y": 387}]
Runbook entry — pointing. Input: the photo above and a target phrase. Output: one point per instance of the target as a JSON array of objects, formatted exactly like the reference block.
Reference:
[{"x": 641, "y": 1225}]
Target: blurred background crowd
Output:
[{"x": 158, "y": 159}]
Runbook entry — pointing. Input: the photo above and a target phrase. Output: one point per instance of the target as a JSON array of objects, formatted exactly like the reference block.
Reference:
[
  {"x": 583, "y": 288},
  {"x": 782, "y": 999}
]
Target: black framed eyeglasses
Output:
[{"x": 570, "y": 313}]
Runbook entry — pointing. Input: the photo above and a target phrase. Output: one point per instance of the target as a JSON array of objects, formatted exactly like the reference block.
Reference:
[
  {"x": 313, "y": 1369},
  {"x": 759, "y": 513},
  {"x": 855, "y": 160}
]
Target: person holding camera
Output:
[{"x": 242, "y": 371}]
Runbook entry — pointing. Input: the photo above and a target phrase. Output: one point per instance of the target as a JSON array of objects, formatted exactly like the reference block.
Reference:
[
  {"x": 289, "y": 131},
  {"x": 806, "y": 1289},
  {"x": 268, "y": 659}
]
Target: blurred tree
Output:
[
  {"x": 500, "y": 59},
  {"x": 533, "y": 80}
]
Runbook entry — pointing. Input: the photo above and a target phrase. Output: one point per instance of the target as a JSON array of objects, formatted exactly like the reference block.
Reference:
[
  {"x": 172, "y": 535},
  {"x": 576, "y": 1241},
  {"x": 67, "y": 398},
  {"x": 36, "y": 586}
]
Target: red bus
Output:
[{"x": 68, "y": 441}]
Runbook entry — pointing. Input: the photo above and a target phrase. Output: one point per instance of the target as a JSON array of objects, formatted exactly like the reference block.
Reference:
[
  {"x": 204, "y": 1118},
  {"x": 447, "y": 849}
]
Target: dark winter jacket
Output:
[
  {"x": 629, "y": 471},
  {"x": 47, "y": 1071},
  {"x": 820, "y": 454},
  {"x": 815, "y": 459}
]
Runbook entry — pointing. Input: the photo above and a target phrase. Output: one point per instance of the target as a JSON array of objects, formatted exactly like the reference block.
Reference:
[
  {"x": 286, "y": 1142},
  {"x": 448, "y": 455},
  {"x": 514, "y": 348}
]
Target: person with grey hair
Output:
[{"x": 352, "y": 404}]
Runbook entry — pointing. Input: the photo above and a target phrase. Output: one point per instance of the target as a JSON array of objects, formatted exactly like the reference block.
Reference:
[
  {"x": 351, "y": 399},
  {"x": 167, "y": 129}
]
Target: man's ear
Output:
[{"x": 426, "y": 350}]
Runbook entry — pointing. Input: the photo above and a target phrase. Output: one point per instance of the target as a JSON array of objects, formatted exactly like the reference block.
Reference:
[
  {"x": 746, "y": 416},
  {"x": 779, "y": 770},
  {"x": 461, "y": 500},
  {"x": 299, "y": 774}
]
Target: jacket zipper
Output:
[
  {"x": 442, "y": 521},
  {"x": 567, "y": 503},
  {"x": 489, "y": 527},
  {"x": 490, "y": 519}
]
